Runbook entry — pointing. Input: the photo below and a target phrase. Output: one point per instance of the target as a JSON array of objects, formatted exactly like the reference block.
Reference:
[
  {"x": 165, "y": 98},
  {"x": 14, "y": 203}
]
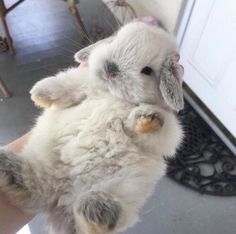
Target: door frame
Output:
[{"x": 196, "y": 103}]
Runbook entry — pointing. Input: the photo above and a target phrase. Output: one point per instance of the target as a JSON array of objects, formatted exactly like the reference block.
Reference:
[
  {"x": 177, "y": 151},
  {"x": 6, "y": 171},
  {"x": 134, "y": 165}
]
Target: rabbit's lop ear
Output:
[
  {"x": 171, "y": 82},
  {"x": 83, "y": 54}
]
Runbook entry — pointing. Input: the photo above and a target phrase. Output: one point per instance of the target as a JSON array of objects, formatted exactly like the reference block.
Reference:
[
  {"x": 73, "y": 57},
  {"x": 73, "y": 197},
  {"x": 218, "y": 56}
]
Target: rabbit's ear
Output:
[
  {"x": 171, "y": 83},
  {"x": 83, "y": 54}
]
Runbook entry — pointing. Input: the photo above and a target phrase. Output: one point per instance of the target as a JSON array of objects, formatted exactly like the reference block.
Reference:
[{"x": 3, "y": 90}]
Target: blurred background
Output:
[{"x": 39, "y": 38}]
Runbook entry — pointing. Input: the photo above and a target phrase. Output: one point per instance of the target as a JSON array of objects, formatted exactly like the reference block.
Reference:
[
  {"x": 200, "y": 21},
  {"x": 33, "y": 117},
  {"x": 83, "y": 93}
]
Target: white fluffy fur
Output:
[{"x": 92, "y": 145}]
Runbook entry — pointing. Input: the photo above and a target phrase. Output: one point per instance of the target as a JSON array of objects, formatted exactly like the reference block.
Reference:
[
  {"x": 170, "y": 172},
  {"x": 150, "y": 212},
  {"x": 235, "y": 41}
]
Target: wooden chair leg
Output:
[
  {"x": 7, "y": 33},
  {"x": 4, "y": 89},
  {"x": 73, "y": 9}
]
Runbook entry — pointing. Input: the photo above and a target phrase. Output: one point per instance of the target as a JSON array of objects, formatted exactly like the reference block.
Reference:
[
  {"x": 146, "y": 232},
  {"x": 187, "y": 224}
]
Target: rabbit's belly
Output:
[
  {"x": 103, "y": 149},
  {"x": 71, "y": 132},
  {"x": 91, "y": 117},
  {"x": 108, "y": 160}
]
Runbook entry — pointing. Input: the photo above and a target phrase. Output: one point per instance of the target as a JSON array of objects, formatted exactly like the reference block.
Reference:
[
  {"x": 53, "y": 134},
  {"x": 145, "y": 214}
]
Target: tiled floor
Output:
[{"x": 46, "y": 37}]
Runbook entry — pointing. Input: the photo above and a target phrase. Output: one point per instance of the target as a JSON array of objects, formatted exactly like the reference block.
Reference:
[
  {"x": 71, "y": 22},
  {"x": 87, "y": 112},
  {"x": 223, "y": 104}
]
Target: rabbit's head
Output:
[{"x": 137, "y": 64}]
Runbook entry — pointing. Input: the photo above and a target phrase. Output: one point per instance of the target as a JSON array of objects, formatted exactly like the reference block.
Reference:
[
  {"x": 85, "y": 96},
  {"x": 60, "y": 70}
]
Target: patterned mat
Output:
[{"x": 203, "y": 162}]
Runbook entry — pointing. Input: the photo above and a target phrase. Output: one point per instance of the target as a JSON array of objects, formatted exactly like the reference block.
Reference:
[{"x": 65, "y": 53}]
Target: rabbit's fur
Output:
[{"x": 85, "y": 166}]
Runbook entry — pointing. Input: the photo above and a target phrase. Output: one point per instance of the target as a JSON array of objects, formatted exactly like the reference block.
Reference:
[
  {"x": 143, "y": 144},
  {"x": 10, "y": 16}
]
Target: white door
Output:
[{"x": 208, "y": 53}]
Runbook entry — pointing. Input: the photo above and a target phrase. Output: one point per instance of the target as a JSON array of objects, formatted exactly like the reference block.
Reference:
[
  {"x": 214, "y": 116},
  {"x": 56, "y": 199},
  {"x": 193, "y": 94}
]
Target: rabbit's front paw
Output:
[
  {"x": 145, "y": 119},
  {"x": 148, "y": 123},
  {"x": 56, "y": 91},
  {"x": 45, "y": 93},
  {"x": 40, "y": 101}
]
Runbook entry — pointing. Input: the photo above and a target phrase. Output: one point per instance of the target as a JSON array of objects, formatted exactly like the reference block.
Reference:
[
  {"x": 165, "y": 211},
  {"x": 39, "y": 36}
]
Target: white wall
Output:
[{"x": 165, "y": 10}]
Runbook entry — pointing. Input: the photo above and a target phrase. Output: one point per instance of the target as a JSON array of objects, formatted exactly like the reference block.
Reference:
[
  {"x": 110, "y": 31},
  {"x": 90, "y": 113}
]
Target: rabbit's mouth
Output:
[{"x": 107, "y": 77}]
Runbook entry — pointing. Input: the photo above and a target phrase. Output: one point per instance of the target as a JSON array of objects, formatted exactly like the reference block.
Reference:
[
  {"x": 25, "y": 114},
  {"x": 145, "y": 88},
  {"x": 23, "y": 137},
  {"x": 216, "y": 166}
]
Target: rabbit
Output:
[{"x": 97, "y": 150}]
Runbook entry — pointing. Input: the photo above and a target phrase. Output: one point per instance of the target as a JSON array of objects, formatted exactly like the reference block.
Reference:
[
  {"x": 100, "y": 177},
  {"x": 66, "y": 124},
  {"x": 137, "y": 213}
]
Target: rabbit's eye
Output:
[{"x": 147, "y": 71}]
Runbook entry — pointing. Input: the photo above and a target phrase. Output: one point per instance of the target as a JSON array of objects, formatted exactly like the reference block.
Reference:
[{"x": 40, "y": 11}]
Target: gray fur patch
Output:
[
  {"x": 100, "y": 208},
  {"x": 10, "y": 165}
]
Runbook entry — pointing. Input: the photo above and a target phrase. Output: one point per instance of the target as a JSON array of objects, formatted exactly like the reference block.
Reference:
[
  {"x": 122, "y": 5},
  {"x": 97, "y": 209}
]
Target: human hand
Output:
[{"x": 11, "y": 217}]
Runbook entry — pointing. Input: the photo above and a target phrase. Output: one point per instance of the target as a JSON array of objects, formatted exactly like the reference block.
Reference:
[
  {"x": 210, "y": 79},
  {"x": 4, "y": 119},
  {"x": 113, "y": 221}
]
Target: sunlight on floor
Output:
[{"x": 24, "y": 230}]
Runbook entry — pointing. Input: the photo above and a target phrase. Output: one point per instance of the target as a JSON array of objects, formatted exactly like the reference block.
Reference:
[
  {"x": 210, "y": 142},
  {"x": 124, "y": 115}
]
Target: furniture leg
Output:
[
  {"x": 3, "y": 13},
  {"x": 73, "y": 9},
  {"x": 7, "y": 34},
  {"x": 4, "y": 89}
]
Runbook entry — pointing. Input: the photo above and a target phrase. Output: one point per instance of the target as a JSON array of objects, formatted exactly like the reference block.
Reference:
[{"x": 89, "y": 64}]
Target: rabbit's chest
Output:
[
  {"x": 90, "y": 117},
  {"x": 86, "y": 129}
]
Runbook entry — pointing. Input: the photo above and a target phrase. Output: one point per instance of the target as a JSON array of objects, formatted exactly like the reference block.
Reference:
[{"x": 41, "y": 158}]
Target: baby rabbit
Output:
[{"x": 97, "y": 150}]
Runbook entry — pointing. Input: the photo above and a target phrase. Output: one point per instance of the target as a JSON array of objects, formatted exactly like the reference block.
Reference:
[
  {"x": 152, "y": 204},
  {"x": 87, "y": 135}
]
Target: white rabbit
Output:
[{"x": 97, "y": 150}]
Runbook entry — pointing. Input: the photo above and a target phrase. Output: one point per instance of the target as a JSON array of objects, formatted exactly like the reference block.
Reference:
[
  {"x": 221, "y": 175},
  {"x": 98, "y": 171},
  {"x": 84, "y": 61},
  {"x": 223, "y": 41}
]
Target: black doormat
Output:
[{"x": 203, "y": 162}]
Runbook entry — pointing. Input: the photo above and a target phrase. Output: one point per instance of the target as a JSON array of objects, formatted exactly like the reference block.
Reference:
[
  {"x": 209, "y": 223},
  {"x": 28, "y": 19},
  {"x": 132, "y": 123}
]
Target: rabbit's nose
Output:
[{"x": 111, "y": 68}]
